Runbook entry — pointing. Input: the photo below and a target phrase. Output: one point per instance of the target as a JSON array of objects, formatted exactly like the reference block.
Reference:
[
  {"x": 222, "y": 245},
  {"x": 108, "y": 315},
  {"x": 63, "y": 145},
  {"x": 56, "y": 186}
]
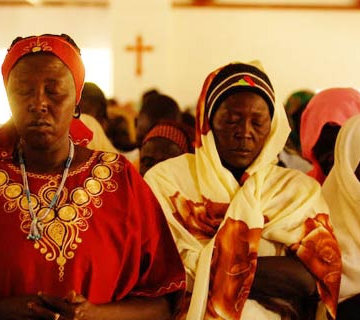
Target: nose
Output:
[
  {"x": 38, "y": 108},
  {"x": 243, "y": 129},
  {"x": 38, "y": 102}
]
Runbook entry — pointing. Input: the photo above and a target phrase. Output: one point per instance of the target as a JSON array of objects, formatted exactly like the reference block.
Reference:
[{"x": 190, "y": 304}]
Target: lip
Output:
[
  {"x": 39, "y": 124},
  {"x": 241, "y": 151}
]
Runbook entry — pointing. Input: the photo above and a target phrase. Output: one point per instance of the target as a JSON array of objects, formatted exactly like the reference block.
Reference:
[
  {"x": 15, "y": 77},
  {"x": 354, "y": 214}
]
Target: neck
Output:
[
  {"x": 236, "y": 172},
  {"x": 46, "y": 160}
]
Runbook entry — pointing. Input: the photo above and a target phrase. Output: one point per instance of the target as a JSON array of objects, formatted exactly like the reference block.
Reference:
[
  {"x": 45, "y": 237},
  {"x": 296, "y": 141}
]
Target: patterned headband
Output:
[
  {"x": 240, "y": 80},
  {"x": 56, "y": 45},
  {"x": 171, "y": 133}
]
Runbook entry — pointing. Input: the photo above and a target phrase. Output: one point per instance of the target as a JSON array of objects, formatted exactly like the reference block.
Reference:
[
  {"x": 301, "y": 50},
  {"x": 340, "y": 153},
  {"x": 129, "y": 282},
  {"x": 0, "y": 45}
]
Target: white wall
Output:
[
  {"x": 299, "y": 49},
  {"x": 152, "y": 20},
  {"x": 89, "y": 27}
]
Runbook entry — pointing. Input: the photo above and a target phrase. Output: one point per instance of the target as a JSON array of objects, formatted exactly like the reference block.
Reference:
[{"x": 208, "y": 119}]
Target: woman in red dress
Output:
[{"x": 82, "y": 236}]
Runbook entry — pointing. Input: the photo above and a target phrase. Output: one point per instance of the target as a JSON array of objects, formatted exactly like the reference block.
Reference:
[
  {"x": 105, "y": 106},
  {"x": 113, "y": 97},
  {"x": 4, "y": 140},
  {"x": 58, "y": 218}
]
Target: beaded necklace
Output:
[{"x": 36, "y": 227}]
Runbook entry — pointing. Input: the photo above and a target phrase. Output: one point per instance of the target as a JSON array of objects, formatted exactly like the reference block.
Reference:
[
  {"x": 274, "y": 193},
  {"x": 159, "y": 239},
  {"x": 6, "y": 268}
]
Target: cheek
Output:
[
  {"x": 263, "y": 133},
  {"x": 15, "y": 103},
  {"x": 18, "y": 110},
  {"x": 221, "y": 142},
  {"x": 222, "y": 134},
  {"x": 64, "y": 118}
]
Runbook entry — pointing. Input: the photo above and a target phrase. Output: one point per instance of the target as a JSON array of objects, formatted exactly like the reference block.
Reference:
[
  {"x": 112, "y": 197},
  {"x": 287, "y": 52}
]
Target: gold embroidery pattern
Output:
[
  {"x": 85, "y": 167},
  {"x": 36, "y": 46},
  {"x": 63, "y": 225}
]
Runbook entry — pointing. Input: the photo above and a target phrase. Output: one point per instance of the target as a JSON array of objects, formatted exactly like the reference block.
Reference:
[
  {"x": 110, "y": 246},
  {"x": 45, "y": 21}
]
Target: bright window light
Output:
[{"x": 98, "y": 66}]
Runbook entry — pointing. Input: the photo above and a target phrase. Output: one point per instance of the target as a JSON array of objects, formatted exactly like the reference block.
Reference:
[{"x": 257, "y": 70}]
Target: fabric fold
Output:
[{"x": 228, "y": 223}]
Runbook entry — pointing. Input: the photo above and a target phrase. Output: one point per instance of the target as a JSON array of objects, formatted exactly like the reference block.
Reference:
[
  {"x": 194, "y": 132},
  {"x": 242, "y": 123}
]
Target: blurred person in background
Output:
[
  {"x": 164, "y": 141},
  {"x": 94, "y": 103},
  {"x": 321, "y": 121},
  {"x": 121, "y": 128},
  {"x": 291, "y": 156},
  {"x": 188, "y": 120},
  {"x": 155, "y": 107},
  {"x": 92, "y": 112}
]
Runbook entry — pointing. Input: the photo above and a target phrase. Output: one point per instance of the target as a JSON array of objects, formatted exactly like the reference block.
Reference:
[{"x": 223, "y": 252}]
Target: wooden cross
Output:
[{"x": 139, "y": 48}]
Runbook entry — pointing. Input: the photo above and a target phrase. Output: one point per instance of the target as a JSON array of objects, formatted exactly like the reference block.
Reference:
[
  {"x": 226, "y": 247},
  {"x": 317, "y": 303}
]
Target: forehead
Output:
[
  {"x": 39, "y": 64},
  {"x": 245, "y": 101}
]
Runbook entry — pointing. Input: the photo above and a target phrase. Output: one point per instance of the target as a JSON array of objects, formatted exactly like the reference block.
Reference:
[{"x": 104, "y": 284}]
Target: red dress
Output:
[{"x": 107, "y": 237}]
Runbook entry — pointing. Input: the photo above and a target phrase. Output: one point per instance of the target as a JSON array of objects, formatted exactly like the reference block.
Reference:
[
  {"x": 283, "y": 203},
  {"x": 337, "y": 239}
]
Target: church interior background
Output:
[{"x": 129, "y": 47}]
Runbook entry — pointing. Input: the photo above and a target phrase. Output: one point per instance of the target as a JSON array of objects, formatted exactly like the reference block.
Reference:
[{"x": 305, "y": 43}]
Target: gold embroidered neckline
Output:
[
  {"x": 81, "y": 169},
  {"x": 70, "y": 218}
]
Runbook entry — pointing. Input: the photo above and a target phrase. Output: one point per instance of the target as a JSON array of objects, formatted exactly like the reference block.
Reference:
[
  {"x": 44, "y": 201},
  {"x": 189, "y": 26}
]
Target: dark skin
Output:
[
  {"x": 324, "y": 147},
  {"x": 42, "y": 105},
  {"x": 41, "y": 94},
  {"x": 76, "y": 307},
  {"x": 349, "y": 309},
  {"x": 119, "y": 135},
  {"x": 143, "y": 124},
  {"x": 241, "y": 125},
  {"x": 284, "y": 285},
  {"x": 157, "y": 150}
]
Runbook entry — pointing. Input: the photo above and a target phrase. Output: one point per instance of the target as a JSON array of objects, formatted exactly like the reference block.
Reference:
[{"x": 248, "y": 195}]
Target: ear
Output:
[{"x": 77, "y": 112}]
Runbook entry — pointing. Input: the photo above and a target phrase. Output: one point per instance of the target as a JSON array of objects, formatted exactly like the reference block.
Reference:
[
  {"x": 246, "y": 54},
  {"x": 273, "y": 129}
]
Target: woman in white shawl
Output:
[
  {"x": 245, "y": 228},
  {"x": 342, "y": 192}
]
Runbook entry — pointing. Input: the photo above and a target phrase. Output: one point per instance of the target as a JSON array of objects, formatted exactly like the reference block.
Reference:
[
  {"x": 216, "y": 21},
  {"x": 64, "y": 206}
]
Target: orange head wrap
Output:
[{"x": 68, "y": 53}]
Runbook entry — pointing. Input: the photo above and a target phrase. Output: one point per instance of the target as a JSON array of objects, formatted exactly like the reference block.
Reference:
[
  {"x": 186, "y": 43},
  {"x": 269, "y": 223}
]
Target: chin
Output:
[
  {"x": 39, "y": 142},
  {"x": 241, "y": 163}
]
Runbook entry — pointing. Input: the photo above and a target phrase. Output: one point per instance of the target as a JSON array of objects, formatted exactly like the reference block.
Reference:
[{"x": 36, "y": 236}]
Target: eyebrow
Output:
[{"x": 253, "y": 113}]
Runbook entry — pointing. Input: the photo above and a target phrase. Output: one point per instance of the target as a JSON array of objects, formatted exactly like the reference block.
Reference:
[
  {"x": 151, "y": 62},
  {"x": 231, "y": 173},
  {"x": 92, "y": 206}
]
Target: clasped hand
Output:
[{"x": 72, "y": 307}]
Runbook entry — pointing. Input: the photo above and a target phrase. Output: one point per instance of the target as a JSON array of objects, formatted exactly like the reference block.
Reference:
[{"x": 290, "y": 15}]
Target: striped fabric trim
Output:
[
  {"x": 243, "y": 79},
  {"x": 169, "y": 132}
]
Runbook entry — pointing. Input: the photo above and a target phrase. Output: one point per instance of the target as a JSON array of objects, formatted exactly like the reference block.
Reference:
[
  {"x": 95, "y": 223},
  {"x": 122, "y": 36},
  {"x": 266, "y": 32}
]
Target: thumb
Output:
[{"x": 73, "y": 297}]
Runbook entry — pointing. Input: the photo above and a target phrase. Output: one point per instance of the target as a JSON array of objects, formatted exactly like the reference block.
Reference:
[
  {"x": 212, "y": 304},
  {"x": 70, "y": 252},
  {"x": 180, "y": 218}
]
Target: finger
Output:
[
  {"x": 70, "y": 296},
  {"x": 79, "y": 299},
  {"x": 56, "y": 304},
  {"x": 40, "y": 312},
  {"x": 73, "y": 297}
]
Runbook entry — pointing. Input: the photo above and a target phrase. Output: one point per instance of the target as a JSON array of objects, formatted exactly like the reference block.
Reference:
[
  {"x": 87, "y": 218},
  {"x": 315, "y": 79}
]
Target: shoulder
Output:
[
  {"x": 173, "y": 175},
  {"x": 178, "y": 168},
  {"x": 291, "y": 178}
]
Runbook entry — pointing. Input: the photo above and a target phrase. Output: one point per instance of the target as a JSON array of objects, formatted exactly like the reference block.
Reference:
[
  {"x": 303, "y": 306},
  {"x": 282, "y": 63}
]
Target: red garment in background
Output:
[
  {"x": 333, "y": 105},
  {"x": 106, "y": 239}
]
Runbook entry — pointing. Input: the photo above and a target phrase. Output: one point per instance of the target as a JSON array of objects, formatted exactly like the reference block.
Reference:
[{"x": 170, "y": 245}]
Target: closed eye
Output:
[
  {"x": 25, "y": 91},
  {"x": 257, "y": 123}
]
